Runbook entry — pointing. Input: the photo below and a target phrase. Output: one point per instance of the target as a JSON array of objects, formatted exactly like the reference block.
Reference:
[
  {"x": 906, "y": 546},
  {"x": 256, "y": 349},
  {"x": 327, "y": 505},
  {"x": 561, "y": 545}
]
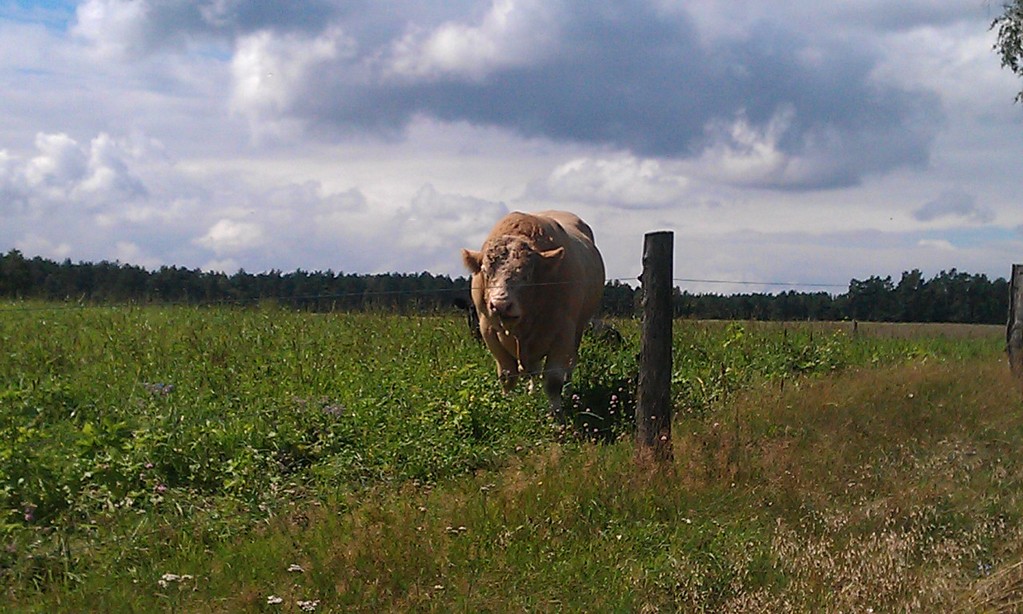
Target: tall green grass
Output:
[
  {"x": 377, "y": 453},
  {"x": 115, "y": 406}
]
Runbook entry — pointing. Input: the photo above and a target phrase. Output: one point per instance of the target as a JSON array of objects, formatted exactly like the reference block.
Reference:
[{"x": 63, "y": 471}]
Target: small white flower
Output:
[
  {"x": 308, "y": 606},
  {"x": 295, "y": 568},
  {"x": 274, "y": 600},
  {"x": 167, "y": 578}
]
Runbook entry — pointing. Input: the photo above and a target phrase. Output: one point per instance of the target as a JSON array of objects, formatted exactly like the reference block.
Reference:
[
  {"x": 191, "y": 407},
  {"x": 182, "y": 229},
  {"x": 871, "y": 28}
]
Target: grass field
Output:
[{"x": 224, "y": 460}]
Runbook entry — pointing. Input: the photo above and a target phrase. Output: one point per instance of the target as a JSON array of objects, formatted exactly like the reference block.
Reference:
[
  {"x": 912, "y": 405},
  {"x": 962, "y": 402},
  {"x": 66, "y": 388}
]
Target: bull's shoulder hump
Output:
[
  {"x": 569, "y": 221},
  {"x": 517, "y": 223}
]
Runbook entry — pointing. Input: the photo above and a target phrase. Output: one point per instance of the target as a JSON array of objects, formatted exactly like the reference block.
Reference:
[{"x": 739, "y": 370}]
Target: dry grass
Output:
[
  {"x": 892, "y": 489},
  {"x": 1002, "y": 592},
  {"x": 891, "y": 330}
]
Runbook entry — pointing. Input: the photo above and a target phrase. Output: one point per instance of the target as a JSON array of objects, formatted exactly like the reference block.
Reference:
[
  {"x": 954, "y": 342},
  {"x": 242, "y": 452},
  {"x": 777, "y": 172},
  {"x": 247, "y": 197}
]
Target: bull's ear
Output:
[
  {"x": 551, "y": 258},
  {"x": 472, "y": 260}
]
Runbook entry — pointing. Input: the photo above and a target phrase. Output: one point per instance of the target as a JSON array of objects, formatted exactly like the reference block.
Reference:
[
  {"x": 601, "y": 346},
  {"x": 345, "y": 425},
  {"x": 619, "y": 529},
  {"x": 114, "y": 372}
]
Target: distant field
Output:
[{"x": 223, "y": 459}]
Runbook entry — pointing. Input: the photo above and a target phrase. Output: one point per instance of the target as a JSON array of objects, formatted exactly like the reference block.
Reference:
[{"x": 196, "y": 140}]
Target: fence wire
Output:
[{"x": 371, "y": 294}]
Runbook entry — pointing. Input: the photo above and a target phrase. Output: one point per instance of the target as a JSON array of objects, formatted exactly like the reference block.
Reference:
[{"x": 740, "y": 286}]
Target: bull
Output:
[{"x": 536, "y": 282}]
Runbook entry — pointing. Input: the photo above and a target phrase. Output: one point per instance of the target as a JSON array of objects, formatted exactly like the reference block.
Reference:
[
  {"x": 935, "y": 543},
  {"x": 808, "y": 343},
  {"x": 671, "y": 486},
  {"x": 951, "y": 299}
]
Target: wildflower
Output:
[
  {"x": 295, "y": 568},
  {"x": 30, "y": 512},
  {"x": 308, "y": 606},
  {"x": 274, "y": 600},
  {"x": 168, "y": 578}
]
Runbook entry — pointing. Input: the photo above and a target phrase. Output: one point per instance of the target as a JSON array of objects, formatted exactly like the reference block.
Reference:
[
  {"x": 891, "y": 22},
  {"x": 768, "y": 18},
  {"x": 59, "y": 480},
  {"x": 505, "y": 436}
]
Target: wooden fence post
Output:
[
  {"x": 1014, "y": 328},
  {"x": 653, "y": 398}
]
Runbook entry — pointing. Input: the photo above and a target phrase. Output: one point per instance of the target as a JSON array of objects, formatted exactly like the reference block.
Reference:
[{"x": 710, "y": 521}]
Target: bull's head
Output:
[{"x": 510, "y": 269}]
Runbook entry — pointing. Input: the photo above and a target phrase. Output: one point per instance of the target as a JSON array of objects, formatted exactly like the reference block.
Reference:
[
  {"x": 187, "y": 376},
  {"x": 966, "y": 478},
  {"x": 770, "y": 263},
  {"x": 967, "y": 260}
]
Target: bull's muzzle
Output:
[{"x": 503, "y": 306}]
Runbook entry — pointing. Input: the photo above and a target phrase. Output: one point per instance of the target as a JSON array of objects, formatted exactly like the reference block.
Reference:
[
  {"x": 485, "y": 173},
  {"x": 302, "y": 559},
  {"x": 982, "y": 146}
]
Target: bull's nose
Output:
[
  {"x": 503, "y": 309},
  {"x": 498, "y": 307}
]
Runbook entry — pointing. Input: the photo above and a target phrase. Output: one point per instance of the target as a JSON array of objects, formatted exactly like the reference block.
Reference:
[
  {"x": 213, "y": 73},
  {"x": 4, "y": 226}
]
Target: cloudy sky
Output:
[{"x": 804, "y": 142}]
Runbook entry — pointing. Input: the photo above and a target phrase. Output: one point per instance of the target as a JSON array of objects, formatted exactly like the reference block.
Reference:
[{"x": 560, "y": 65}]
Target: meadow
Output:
[{"x": 229, "y": 459}]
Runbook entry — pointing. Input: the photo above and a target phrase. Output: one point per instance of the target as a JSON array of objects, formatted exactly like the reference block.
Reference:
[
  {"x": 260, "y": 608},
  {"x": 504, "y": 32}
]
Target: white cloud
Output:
[
  {"x": 511, "y": 33},
  {"x": 272, "y": 72},
  {"x": 433, "y": 223},
  {"x": 38, "y": 245},
  {"x": 623, "y": 181},
  {"x": 129, "y": 252},
  {"x": 65, "y": 174},
  {"x": 740, "y": 153},
  {"x": 112, "y": 27},
  {"x": 60, "y": 163},
  {"x": 226, "y": 265},
  {"x": 939, "y": 244},
  {"x": 956, "y": 59},
  {"x": 227, "y": 236},
  {"x": 109, "y": 178}
]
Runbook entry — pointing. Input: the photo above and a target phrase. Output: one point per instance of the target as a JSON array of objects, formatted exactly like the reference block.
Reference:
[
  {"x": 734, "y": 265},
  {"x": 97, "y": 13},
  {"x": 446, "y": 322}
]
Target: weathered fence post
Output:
[
  {"x": 653, "y": 402},
  {"x": 1014, "y": 328}
]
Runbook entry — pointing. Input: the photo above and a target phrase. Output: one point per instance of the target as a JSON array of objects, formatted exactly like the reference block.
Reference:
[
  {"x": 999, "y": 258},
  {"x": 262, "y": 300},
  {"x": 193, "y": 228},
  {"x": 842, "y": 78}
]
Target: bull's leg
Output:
[
  {"x": 557, "y": 371},
  {"x": 554, "y": 379},
  {"x": 507, "y": 365},
  {"x": 530, "y": 370}
]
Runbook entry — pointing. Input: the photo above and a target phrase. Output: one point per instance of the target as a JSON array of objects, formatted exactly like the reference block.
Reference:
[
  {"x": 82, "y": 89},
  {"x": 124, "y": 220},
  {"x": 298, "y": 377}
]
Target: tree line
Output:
[{"x": 949, "y": 296}]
